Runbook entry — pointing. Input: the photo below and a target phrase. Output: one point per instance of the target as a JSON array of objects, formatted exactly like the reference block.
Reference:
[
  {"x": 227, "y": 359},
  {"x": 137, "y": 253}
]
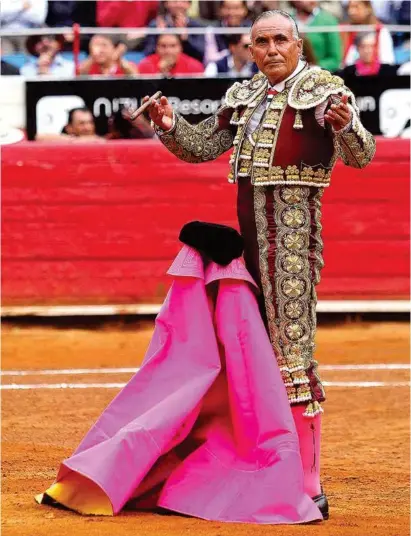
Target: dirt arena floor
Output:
[{"x": 365, "y": 458}]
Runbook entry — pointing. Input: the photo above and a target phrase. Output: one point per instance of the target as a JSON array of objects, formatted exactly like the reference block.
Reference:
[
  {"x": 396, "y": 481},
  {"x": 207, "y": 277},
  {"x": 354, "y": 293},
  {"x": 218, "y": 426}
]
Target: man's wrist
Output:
[{"x": 344, "y": 129}]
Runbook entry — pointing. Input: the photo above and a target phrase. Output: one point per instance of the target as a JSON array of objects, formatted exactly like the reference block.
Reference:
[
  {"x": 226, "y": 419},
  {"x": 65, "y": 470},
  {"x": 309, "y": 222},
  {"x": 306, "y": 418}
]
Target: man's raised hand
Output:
[
  {"x": 161, "y": 112},
  {"x": 339, "y": 115}
]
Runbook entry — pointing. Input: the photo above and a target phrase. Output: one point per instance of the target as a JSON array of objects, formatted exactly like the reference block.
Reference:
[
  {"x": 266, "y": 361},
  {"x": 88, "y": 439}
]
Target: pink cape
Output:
[{"x": 204, "y": 427}]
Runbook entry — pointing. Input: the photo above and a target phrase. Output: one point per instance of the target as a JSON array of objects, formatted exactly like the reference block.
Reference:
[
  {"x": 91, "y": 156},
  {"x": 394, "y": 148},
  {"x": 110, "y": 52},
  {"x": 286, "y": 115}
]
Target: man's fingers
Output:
[
  {"x": 335, "y": 118},
  {"x": 340, "y": 107},
  {"x": 342, "y": 112}
]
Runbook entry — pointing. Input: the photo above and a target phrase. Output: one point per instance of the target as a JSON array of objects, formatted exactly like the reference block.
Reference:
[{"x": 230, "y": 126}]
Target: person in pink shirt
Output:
[
  {"x": 126, "y": 14},
  {"x": 169, "y": 59}
]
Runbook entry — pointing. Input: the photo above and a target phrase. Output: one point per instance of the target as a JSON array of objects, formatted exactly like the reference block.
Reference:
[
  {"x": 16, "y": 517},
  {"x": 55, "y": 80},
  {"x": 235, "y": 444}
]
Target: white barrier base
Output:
[{"x": 326, "y": 306}]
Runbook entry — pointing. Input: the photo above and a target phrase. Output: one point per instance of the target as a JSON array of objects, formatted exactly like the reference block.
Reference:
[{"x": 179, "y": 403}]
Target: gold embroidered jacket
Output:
[{"x": 289, "y": 146}]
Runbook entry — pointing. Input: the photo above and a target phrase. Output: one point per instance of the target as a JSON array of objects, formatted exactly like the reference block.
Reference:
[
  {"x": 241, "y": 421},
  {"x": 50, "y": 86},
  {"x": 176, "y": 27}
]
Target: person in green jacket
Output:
[{"x": 328, "y": 48}]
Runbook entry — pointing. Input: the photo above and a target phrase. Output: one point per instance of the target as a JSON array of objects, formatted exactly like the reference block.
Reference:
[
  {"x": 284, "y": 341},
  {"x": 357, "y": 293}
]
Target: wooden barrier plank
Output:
[{"x": 99, "y": 224}]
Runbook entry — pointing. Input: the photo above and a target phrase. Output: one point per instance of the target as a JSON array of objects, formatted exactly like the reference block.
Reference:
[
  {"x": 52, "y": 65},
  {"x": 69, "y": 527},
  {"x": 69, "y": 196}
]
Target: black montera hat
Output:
[{"x": 220, "y": 243}]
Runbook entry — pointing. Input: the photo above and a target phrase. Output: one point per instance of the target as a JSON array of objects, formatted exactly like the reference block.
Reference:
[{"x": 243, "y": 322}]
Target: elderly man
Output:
[{"x": 288, "y": 125}]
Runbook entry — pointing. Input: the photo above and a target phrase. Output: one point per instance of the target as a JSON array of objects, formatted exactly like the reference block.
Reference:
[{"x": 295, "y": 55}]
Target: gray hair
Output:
[{"x": 280, "y": 13}]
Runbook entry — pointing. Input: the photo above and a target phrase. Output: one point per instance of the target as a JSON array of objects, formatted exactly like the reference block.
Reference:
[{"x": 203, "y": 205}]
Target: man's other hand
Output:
[
  {"x": 339, "y": 115},
  {"x": 161, "y": 113}
]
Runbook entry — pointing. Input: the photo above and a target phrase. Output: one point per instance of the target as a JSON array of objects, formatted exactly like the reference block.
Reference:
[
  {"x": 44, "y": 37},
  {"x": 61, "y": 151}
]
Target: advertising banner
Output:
[{"x": 384, "y": 101}]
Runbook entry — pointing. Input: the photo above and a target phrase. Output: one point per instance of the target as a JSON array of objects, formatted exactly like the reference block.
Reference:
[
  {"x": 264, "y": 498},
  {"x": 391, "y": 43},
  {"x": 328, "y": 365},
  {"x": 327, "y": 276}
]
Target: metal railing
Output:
[{"x": 88, "y": 30}]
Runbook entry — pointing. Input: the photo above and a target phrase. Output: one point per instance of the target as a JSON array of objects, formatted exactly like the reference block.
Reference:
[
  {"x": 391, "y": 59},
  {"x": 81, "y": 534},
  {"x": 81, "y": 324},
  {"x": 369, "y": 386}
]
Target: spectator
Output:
[
  {"x": 169, "y": 59},
  {"x": 367, "y": 64},
  {"x": 17, "y": 15},
  {"x": 233, "y": 14},
  {"x": 327, "y": 47},
  {"x": 238, "y": 63},
  {"x": 120, "y": 128},
  {"x": 131, "y": 14},
  {"x": 383, "y": 9},
  {"x": 259, "y": 6},
  {"x": 46, "y": 58},
  {"x": 401, "y": 12},
  {"x": 106, "y": 58},
  {"x": 80, "y": 127},
  {"x": 361, "y": 12},
  {"x": 176, "y": 17},
  {"x": 85, "y": 13},
  {"x": 333, "y": 7},
  {"x": 61, "y": 13},
  {"x": 80, "y": 123}
]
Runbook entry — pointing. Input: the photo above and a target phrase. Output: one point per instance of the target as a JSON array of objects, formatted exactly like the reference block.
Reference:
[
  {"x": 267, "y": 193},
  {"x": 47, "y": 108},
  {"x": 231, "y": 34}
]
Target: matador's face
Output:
[{"x": 274, "y": 48}]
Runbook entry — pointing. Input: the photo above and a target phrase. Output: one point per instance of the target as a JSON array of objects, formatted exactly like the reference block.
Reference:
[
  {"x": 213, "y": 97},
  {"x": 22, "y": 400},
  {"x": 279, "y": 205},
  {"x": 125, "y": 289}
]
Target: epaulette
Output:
[
  {"x": 244, "y": 93},
  {"x": 314, "y": 87}
]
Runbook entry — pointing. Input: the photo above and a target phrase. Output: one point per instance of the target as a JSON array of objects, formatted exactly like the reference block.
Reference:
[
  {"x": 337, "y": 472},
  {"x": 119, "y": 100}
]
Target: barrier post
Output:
[{"x": 76, "y": 47}]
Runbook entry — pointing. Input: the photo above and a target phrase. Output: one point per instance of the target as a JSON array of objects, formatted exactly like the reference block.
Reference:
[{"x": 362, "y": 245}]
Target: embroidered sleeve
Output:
[
  {"x": 354, "y": 144},
  {"x": 199, "y": 143}
]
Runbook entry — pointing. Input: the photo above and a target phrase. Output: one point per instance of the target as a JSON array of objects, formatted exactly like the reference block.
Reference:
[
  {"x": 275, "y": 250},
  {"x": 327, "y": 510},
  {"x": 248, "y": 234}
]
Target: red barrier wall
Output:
[{"x": 98, "y": 223}]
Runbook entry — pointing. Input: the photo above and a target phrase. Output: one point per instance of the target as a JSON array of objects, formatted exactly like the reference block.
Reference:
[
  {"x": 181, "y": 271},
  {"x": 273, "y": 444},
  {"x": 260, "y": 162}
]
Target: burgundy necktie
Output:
[{"x": 272, "y": 91}]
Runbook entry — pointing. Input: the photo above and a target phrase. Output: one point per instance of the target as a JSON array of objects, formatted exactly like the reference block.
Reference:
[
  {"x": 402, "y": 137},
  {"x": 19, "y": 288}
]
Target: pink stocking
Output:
[{"x": 309, "y": 435}]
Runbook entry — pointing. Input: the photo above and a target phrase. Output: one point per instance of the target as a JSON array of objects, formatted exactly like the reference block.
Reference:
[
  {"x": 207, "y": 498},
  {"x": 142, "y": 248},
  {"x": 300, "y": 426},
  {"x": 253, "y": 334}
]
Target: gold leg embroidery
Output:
[
  {"x": 290, "y": 300},
  {"x": 263, "y": 245},
  {"x": 293, "y": 285},
  {"x": 318, "y": 261}
]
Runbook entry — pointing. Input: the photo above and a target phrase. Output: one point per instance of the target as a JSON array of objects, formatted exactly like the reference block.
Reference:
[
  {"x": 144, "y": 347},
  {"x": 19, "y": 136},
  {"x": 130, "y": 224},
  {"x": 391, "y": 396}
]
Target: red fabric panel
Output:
[{"x": 99, "y": 223}]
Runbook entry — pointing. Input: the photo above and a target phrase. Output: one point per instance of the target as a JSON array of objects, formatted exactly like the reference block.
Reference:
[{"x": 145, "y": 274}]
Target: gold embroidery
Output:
[
  {"x": 293, "y": 264},
  {"x": 247, "y": 148},
  {"x": 279, "y": 101},
  {"x": 317, "y": 175},
  {"x": 352, "y": 152},
  {"x": 271, "y": 119},
  {"x": 294, "y": 217},
  {"x": 245, "y": 93},
  {"x": 294, "y": 241},
  {"x": 244, "y": 168},
  {"x": 266, "y": 136},
  {"x": 292, "y": 173},
  {"x": 262, "y": 155},
  {"x": 241, "y": 139},
  {"x": 294, "y": 309},
  {"x": 263, "y": 245},
  {"x": 235, "y": 118},
  {"x": 293, "y": 286},
  {"x": 318, "y": 262},
  {"x": 260, "y": 174},
  {"x": 313, "y": 88},
  {"x": 298, "y": 122},
  {"x": 197, "y": 143}
]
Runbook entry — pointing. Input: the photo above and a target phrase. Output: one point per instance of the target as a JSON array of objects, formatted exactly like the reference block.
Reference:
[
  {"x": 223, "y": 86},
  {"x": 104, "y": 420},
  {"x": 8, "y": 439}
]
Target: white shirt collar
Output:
[{"x": 281, "y": 85}]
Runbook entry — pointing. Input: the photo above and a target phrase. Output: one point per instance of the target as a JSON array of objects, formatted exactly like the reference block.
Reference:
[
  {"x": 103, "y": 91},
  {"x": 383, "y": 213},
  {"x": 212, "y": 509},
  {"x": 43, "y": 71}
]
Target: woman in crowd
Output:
[
  {"x": 361, "y": 12},
  {"x": 367, "y": 63},
  {"x": 233, "y": 14}
]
